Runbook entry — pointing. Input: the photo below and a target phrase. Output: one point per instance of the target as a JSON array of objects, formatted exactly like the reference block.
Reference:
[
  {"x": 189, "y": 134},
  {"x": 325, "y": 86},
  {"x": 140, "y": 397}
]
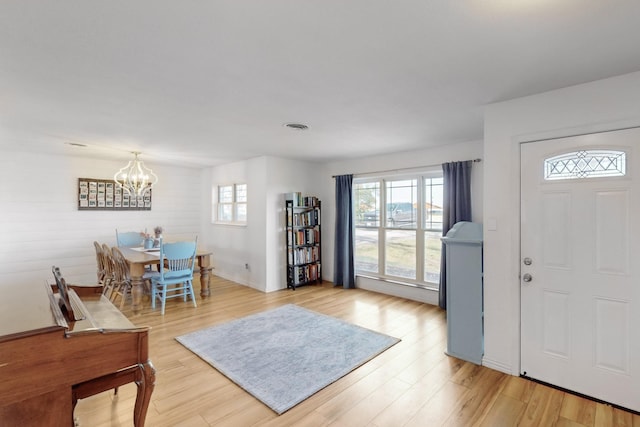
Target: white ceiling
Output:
[{"x": 206, "y": 82}]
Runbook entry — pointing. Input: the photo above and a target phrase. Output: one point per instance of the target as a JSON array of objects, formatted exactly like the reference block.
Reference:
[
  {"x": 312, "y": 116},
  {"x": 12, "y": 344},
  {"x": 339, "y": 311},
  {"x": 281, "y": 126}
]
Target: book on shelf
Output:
[
  {"x": 307, "y": 236},
  {"x": 305, "y": 219},
  {"x": 295, "y": 197},
  {"x": 300, "y": 201},
  {"x": 303, "y": 255},
  {"x": 310, "y": 201},
  {"x": 304, "y": 273}
]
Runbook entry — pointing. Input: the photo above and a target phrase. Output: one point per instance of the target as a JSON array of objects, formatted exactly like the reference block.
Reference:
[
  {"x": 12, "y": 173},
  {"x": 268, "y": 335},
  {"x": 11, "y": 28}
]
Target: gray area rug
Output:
[{"x": 283, "y": 356}]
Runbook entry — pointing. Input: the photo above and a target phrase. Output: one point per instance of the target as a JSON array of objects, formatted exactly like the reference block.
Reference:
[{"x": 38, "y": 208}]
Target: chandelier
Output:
[{"x": 135, "y": 178}]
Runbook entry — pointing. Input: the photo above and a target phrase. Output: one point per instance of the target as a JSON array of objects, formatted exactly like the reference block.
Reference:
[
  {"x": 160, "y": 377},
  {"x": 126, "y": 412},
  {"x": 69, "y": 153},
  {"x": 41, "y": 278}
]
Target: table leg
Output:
[
  {"x": 204, "y": 262},
  {"x": 136, "y": 272}
]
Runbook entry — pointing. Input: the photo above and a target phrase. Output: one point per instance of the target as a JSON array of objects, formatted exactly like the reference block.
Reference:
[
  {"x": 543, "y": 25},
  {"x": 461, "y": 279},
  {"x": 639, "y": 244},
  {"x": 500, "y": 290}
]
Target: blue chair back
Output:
[
  {"x": 177, "y": 260},
  {"x": 128, "y": 239}
]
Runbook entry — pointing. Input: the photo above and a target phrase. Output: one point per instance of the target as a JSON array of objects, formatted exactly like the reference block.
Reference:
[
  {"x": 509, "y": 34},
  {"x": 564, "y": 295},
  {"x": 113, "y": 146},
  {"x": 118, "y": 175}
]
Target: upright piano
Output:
[{"x": 48, "y": 361}]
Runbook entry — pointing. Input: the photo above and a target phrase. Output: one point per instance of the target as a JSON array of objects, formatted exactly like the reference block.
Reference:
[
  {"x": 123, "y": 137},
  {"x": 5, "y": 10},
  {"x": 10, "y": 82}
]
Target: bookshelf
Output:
[{"x": 303, "y": 241}]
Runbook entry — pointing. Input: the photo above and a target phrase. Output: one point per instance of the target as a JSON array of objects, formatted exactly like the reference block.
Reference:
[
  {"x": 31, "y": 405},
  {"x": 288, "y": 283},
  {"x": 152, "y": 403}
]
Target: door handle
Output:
[{"x": 527, "y": 278}]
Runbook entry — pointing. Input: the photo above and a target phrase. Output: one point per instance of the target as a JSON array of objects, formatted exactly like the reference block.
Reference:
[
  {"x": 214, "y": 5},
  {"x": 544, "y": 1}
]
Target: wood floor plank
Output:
[
  {"x": 505, "y": 412},
  {"x": 564, "y": 422},
  {"x": 579, "y": 410},
  {"x": 519, "y": 388},
  {"x": 437, "y": 410},
  {"x": 361, "y": 414},
  {"x": 409, "y": 403},
  {"x": 543, "y": 407},
  {"x": 411, "y": 384},
  {"x": 608, "y": 416},
  {"x": 484, "y": 389}
]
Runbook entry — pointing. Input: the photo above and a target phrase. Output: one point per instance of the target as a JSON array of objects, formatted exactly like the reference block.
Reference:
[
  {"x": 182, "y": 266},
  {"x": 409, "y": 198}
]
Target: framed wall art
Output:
[{"x": 104, "y": 194}]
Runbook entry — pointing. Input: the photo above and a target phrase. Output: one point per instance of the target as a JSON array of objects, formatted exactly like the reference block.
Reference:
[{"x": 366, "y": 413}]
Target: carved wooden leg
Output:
[
  {"x": 137, "y": 285},
  {"x": 204, "y": 262},
  {"x": 145, "y": 383}
]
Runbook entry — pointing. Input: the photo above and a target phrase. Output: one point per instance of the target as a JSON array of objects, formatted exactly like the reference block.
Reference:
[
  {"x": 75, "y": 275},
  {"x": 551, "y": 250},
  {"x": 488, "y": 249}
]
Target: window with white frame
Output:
[
  {"x": 230, "y": 204},
  {"x": 398, "y": 225}
]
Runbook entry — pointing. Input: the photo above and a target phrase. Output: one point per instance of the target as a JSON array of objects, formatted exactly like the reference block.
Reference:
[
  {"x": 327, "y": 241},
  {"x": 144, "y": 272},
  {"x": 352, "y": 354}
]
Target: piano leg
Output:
[
  {"x": 146, "y": 382},
  {"x": 144, "y": 375}
]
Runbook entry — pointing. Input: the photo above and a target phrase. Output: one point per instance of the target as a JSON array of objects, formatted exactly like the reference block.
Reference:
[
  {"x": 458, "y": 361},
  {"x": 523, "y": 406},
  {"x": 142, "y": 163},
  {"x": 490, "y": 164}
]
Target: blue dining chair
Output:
[
  {"x": 128, "y": 239},
  {"x": 175, "y": 278}
]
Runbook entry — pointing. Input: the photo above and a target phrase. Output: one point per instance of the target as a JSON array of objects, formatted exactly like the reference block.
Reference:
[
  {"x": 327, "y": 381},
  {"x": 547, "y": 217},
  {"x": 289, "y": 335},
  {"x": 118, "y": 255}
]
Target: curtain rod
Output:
[{"x": 402, "y": 170}]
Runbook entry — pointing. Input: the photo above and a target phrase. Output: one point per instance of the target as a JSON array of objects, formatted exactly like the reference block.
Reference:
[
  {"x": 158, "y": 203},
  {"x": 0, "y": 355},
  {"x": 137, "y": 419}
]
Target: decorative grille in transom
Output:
[{"x": 585, "y": 164}]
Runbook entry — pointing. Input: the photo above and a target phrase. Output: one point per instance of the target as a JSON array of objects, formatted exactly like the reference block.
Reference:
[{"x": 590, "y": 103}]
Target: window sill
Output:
[
  {"x": 397, "y": 288},
  {"x": 230, "y": 224},
  {"x": 432, "y": 287}
]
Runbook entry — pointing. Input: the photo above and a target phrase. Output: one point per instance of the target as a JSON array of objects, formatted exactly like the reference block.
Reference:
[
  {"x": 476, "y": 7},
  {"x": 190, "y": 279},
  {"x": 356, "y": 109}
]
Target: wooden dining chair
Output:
[
  {"x": 108, "y": 281},
  {"x": 121, "y": 277},
  {"x": 175, "y": 278},
  {"x": 99, "y": 262}
]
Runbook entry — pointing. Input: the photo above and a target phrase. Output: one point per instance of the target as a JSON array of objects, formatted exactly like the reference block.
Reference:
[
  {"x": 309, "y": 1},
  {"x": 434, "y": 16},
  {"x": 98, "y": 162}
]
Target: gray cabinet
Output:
[{"x": 463, "y": 248}]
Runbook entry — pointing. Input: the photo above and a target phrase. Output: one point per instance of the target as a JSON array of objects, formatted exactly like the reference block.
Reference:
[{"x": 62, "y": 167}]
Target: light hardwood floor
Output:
[{"x": 412, "y": 384}]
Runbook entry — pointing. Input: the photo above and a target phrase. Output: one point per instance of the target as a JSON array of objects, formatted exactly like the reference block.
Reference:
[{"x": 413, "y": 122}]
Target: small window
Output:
[
  {"x": 585, "y": 164},
  {"x": 230, "y": 204}
]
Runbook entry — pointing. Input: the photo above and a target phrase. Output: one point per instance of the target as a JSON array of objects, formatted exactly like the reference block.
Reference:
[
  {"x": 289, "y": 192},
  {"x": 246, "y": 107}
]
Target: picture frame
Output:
[{"x": 105, "y": 195}]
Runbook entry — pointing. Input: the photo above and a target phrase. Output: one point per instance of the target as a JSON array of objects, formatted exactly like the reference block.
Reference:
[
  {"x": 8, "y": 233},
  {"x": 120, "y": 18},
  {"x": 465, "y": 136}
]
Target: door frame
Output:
[{"x": 516, "y": 267}]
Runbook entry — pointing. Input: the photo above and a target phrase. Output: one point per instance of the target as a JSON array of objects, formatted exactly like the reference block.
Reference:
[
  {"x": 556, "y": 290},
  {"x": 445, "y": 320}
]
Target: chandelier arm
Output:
[{"x": 135, "y": 178}]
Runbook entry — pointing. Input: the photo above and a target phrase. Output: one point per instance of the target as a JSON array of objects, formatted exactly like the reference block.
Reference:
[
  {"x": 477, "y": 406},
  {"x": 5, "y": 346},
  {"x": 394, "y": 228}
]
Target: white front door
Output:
[{"x": 580, "y": 264}]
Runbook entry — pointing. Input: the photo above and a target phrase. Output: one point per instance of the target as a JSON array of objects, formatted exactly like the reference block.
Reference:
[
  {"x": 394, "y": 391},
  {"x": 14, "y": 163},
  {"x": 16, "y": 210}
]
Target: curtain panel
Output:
[
  {"x": 343, "y": 265},
  {"x": 457, "y": 207}
]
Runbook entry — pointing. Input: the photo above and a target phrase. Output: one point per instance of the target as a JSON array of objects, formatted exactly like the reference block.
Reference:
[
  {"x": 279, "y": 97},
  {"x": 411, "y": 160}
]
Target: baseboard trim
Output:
[{"x": 498, "y": 366}]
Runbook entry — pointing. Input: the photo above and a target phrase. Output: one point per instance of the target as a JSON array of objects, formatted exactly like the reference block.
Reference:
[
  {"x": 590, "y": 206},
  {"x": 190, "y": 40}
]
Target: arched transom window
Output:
[{"x": 585, "y": 164}]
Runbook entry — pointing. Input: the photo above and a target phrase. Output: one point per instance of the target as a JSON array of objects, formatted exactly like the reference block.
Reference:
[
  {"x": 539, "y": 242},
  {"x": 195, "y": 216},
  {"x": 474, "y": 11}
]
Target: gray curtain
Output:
[
  {"x": 343, "y": 269},
  {"x": 457, "y": 207}
]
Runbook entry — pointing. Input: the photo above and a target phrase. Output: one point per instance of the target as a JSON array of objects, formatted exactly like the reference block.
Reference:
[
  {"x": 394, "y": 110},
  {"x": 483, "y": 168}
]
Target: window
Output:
[
  {"x": 432, "y": 227},
  {"x": 398, "y": 230},
  {"x": 585, "y": 164},
  {"x": 230, "y": 204},
  {"x": 366, "y": 199}
]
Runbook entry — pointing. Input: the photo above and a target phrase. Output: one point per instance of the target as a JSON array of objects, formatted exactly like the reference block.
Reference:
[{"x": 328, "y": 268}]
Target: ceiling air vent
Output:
[{"x": 297, "y": 126}]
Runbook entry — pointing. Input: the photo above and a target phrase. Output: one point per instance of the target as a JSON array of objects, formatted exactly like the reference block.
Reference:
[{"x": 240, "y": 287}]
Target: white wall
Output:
[
  {"x": 598, "y": 106},
  {"x": 40, "y": 224},
  {"x": 232, "y": 245},
  {"x": 284, "y": 176},
  {"x": 434, "y": 157},
  {"x": 261, "y": 242}
]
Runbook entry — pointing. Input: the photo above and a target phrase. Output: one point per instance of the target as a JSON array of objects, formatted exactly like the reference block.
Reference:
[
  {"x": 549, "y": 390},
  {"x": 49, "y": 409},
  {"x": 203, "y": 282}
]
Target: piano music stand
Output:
[{"x": 63, "y": 290}]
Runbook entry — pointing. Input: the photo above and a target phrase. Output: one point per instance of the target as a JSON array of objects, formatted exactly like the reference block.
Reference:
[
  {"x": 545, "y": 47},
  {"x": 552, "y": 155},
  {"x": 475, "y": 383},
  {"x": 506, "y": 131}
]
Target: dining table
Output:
[{"x": 139, "y": 258}]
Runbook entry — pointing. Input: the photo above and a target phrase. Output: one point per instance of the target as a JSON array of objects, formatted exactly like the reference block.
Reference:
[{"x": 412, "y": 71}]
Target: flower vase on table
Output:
[
  {"x": 157, "y": 231},
  {"x": 148, "y": 243}
]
